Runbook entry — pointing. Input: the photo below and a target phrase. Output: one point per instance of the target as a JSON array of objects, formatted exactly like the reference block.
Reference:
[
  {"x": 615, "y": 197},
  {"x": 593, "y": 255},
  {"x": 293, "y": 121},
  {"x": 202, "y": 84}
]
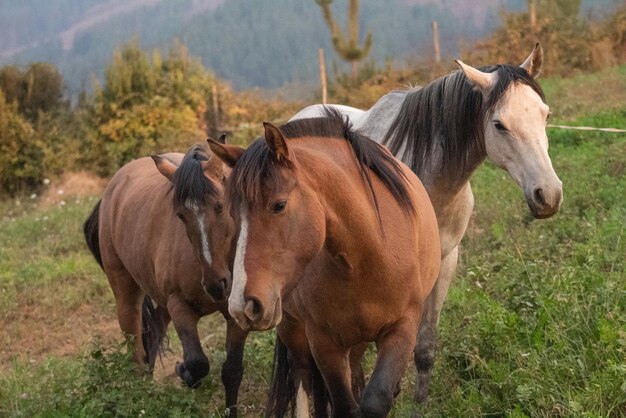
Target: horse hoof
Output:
[{"x": 190, "y": 380}]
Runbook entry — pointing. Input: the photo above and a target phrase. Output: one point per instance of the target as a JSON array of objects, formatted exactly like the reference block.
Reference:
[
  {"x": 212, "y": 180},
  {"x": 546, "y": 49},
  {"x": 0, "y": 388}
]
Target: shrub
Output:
[{"x": 21, "y": 153}]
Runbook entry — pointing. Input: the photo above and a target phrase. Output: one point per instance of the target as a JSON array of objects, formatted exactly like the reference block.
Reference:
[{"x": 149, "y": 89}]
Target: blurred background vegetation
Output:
[
  {"x": 535, "y": 323},
  {"x": 162, "y": 99}
]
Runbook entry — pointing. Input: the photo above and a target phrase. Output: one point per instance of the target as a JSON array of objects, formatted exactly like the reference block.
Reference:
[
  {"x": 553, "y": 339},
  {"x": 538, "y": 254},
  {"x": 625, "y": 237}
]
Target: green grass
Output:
[
  {"x": 586, "y": 94},
  {"x": 534, "y": 325},
  {"x": 43, "y": 258}
]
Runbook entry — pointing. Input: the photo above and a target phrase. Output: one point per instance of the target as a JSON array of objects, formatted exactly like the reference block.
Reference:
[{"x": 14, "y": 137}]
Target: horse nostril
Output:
[
  {"x": 253, "y": 309},
  {"x": 539, "y": 197}
]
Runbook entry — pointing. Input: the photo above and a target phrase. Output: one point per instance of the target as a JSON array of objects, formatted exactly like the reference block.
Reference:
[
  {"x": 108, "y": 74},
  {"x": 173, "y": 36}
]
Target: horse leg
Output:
[
  {"x": 232, "y": 369},
  {"x": 394, "y": 352},
  {"x": 195, "y": 364},
  {"x": 333, "y": 362},
  {"x": 301, "y": 367},
  {"x": 424, "y": 354},
  {"x": 128, "y": 302},
  {"x": 358, "y": 376}
]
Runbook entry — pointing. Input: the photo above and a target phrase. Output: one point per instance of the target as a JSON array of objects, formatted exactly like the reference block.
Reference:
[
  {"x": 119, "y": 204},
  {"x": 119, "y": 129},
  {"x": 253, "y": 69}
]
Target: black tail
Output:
[
  {"x": 321, "y": 397},
  {"x": 282, "y": 390},
  {"x": 154, "y": 320},
  {"x": 90, "y": 229}
]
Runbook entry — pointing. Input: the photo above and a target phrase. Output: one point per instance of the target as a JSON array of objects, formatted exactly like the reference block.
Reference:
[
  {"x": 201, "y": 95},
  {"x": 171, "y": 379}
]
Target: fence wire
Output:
[{"x": 587, "y": 128}]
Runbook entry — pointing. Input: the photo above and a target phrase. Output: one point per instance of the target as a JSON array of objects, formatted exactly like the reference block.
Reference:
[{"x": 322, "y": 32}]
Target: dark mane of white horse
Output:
[{"x": 450, "y": 113}]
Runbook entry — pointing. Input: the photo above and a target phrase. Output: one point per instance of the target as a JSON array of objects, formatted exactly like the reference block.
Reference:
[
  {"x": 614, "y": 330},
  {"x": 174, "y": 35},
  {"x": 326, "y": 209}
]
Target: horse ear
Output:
[
  {"x": 229, "y": 154},
  {"x": 165, "y": 166},
  {"x": 534, "y": 62},
  {"x": 222, "y": 139},
  {"x": 213, "y": 167},
  {"x": 276, "y": 141},
  {"x": 483, "y": 81}
]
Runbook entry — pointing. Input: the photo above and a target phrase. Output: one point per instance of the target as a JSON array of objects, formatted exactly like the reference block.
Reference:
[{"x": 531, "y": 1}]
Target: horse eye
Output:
[
  {"x": 180, "y": 216},
  {"x": 499, "y": 126},
  {"x": 219, "y": 208},
  {"x": 279, "y": 206}
]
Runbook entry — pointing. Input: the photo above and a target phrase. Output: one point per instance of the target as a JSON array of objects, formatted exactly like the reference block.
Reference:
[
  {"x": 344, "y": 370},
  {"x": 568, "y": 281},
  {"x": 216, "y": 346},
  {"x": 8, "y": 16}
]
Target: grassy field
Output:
[{"x": 535, "y": 323}]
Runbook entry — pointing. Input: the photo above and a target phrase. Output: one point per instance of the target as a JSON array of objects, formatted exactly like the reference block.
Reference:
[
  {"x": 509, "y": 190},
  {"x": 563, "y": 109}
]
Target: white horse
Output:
[{"x": 444, "y": 131}]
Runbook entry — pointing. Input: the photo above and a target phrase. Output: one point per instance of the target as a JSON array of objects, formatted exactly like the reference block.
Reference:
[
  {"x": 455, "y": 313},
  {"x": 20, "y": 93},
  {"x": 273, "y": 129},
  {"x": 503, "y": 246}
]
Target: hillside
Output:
[
  {"x": 249, "y": 45},
  {"x": 253, "y": 44}
]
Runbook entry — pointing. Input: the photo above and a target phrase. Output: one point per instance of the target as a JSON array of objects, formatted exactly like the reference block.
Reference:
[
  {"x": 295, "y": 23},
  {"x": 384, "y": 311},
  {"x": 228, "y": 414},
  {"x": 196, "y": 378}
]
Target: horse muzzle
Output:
[
  {"x": 544, "y": 201},
  {"x": 254, "y": 315},
  {"x": 217, "y": 289}
]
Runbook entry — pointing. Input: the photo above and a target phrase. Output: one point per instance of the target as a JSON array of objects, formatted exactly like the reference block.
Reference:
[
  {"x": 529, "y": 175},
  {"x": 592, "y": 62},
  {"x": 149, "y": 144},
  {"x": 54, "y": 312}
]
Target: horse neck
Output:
[
  {"x": 376, "y": 125},
  {"x": 441, "y": 184},
  {"x": 350, "y": 222}
]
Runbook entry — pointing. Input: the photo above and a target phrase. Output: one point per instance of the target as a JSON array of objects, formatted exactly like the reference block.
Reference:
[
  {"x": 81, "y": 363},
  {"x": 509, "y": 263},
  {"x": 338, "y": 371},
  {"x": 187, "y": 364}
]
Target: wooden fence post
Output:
[
  {"x": 322, "y": 74},
  {"x": 216, "y": 108},
  {"x": 436, "y": 42},
  {"x": 532, "y": 11}
]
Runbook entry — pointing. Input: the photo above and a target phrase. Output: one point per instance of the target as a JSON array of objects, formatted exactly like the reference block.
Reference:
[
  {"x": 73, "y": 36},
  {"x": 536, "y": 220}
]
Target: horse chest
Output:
[{"x": 353, "y": 308}]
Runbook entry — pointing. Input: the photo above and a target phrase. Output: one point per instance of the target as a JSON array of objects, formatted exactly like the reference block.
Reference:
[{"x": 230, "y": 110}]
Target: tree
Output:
[
  {"x": 347, "y": 46},
  {"x": 569, "y": 40},
  {"x": 147, "y": 106},
  {"x": 43, "y": 89},
  {"x": 38, "y": 89},
  {"x": 20, "y": 153}
]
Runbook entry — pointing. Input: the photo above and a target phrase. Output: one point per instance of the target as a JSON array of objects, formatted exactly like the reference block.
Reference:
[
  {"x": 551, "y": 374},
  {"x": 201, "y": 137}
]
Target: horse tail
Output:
[
  {"x": 154, "y": 322},
  {"x": 90, "y": 229},
  {"x": 282, "y": 391},
  {"x": 321, "y": 398}
]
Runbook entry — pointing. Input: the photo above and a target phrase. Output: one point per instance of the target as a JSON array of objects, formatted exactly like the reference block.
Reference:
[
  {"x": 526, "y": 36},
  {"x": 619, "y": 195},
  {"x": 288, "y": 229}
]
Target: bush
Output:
[
  {"x": 571, "y": 43},
  {"x": 21, "y": 154},
  {"x": 147, "y": 106}
]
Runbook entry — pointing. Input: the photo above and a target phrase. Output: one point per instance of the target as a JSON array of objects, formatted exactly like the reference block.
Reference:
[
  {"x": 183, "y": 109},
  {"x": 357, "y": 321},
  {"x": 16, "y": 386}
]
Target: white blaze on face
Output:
[
  {"x": 204, "y": 240},
  {"x": 236, "y": 302}
]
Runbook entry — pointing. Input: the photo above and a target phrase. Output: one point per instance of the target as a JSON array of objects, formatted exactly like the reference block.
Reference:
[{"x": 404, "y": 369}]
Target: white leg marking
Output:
[
  {"x": 236, "y": 303},
  {"x": 302, "y": 403}
]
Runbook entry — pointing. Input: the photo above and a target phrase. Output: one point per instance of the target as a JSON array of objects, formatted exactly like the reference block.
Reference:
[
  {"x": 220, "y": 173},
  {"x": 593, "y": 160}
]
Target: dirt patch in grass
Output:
[
  {"x": 34, "y": 332},
  {"x": 72, "y": 185}
]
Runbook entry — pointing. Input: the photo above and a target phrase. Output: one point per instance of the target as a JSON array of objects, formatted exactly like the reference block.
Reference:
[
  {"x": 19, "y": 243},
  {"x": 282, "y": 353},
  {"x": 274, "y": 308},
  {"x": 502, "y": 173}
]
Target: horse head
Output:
[
  {"x": 281, "y": 227},
  {"x": 198, "y": 201},
  {"x": 515, "y": 130}
]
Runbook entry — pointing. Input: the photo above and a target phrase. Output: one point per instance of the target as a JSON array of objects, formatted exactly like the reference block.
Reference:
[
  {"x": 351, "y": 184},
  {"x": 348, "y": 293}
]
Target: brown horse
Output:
[
  {"x": 176, "y": 270},
  {"x": 337, "y": 246}
]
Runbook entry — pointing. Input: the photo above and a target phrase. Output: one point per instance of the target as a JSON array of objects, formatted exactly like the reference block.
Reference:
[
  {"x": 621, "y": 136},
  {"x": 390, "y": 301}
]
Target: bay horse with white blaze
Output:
[
  {"x": 160, "y": 268},
  {"x": 444, "y": 131},
  {"x": 337, "y": 246}
]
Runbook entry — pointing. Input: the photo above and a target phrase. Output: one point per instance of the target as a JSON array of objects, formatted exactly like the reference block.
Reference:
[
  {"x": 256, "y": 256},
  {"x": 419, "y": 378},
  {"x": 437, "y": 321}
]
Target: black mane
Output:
[
  {"x": 257, "y": 168},
  {"x": 191, "y": 186},
  {"x": 449, "y": 113}
]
